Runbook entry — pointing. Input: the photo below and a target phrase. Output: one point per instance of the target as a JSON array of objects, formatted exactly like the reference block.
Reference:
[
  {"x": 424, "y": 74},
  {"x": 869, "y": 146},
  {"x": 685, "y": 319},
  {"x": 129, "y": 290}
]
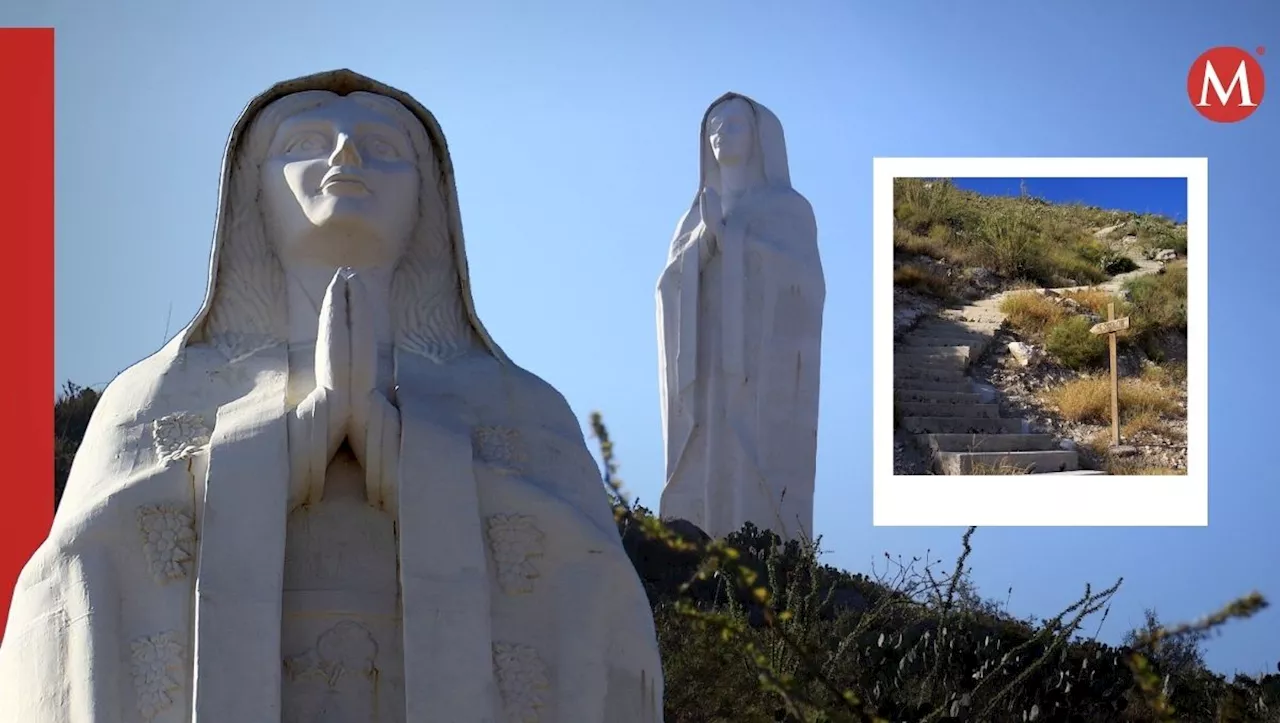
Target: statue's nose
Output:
[{"x": 345, "y": 152}]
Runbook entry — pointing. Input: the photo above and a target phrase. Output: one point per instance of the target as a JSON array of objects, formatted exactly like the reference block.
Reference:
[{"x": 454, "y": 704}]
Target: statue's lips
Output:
[{"x": 342, "y": 180}]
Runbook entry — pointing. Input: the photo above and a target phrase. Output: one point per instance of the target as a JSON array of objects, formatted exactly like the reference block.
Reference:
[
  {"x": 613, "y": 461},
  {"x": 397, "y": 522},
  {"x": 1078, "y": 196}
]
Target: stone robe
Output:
[{"x": 160, "y": 594}]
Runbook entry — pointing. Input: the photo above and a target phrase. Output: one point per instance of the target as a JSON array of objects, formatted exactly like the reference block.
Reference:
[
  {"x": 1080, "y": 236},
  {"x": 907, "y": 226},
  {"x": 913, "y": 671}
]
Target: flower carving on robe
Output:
[
  {"x": 168, "y": 540},
  {"x": 501, "y": 447},
  {"x": 522, "y": 680},
  {"x": 180, "y": 436},
  {"x": 156, "y": 666},
  {"x": 339, "y": 676},
  {"x": 515, "y": 540}
]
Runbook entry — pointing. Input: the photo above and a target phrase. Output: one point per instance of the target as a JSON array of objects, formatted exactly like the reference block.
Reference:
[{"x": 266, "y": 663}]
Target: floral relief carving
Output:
[
  {"x": 179, "y": 436},
  {"x": 515, "y": 540},
  {"x": 156, "y": 667},
  {"x": 168, "y": 537},
  {"x": 499, "y": 446},
  {"x": 522, "y": 680},
  {"x": 335, "y": 680}
]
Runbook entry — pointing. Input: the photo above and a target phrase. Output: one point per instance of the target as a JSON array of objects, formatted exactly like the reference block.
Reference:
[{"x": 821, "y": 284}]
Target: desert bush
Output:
[
  {"x": 1155, "y": 233},
  {"x": 1114, "y": 262},
  {"x": 1158, "y": 304},
  {"x": 1168, "y": 375},
  {"x": 1070, "y": 342},
  {"x": 1096, "y": 300}
]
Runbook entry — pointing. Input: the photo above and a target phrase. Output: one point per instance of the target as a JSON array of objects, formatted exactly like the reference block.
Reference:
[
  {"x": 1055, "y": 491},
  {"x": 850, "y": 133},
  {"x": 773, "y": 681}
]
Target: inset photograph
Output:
[{"x": 1042, "y": 324}]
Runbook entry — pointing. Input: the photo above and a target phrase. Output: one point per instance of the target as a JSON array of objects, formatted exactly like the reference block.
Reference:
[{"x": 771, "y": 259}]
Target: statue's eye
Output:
[
  {"x": 381, "y": 150},
  {"x": 307, "y": 143}
]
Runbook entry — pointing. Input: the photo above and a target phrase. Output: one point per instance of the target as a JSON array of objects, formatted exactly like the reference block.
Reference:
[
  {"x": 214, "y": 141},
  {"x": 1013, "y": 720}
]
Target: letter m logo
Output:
[{"x": 1226, "y": 84}]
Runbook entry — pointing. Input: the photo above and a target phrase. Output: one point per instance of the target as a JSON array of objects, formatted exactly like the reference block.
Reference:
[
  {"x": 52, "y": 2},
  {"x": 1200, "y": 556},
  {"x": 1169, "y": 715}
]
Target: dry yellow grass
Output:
[
  {"x": 1146, "y": 421},
  {"x": 1089, "y": 400},
  {"x": 993, "y": 469},
  {"x": 1139, "y": 467},
  {"x": 921, "y": 279},
  {"x": 1165, "y": 374},
  {"x": 1030, "y": 311},
  {"x": 1095, "y": 300}
]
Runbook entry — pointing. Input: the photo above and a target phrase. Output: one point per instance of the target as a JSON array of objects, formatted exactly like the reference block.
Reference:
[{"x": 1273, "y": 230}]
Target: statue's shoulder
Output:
[
  {"x": 786, "y": 200},
  {"x": 171, "y": 377},
  {"x": 523, "y": 394}
]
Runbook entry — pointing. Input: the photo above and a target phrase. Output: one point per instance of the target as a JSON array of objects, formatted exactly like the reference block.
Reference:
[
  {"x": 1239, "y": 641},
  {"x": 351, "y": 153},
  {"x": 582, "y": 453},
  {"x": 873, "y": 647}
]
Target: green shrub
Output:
[
  {"x": 1071, "y": 343},
  {"x": 1159, "y": 301},
  {"x": 1154, "y": 232},
  {"x": 1018, "y": 238},
  {"x": 1113, "y": 263},
  {"x": 1158, "y": 305}
]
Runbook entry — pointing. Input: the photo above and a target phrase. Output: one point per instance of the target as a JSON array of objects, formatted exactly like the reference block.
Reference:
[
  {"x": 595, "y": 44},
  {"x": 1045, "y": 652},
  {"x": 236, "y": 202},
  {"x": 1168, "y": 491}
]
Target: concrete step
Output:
[
  {"x": 931, "y": 397},
  {"x": 941, "y": 357},
  {"x": 925, "y": 385},
  {"x": 978, "y": 314},
  {"x": 956, "y": 326},
  {"x": 977, "y": 345},
  {"x": 990, "y": 442},
  {"x": 933, "y": 409},
  {"x": 931, "y": 374},
  {"x": 938, "y": 351},
  {"x": 985, "y": 321},
  {"x": 928, "y": 358},
  {"x": 961, "y": 425},
  {"x": 1026, "y": 462},
  {"x": 929, "y": 340}
]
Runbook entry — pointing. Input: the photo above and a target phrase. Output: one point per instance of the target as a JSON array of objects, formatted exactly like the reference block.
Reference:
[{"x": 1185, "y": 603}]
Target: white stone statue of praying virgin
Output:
[
  {"x": 740, "y": 334},
  {"x": 332, "y": 498}
]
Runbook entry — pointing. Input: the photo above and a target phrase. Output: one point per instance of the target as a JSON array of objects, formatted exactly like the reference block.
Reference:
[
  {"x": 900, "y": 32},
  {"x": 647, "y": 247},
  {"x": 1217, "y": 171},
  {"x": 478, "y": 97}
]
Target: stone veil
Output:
[
  {"x": 158, "y": 596},
  {"x": 739, "y": 312}
]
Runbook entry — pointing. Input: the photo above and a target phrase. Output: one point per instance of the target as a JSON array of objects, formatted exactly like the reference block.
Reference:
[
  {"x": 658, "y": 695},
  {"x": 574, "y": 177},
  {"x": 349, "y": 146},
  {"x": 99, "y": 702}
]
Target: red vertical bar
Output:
[{"x": 26, "y": 299}]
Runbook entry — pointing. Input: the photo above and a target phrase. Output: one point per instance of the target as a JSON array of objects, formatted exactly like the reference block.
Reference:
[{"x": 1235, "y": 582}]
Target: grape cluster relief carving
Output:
[
  {"x": 522, "y": 680},
  {"x": 515, "y": 541},
  {"x": 156, "y": 666},
  {"x": 168, "y": 540},
  {"x": 180, "y": 436},
  {"x": 501, "y": 447}
]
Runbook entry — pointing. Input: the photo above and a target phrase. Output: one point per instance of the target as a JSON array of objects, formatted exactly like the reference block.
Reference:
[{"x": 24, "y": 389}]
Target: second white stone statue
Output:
[
  {"x": 332, "y": 498},
  {"x": 740, "y": 334}
]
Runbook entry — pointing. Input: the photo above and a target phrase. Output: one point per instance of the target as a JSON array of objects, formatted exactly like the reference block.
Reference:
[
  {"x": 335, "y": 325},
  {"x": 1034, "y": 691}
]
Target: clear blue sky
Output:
[
  {"x": 573, "y": 126},
  {"x": 1163, "y": 196}
]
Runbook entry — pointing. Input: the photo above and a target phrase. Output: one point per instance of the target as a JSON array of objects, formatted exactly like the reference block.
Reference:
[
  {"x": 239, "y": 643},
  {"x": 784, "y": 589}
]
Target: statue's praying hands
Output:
[
  {"x": 346, "y": 405},
  {"x": 710, "y": 205}
]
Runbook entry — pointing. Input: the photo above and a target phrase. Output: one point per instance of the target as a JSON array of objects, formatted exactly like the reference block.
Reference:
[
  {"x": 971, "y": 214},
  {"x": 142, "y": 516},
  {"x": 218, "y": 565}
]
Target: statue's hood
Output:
[
  {"x": 770, "y": 146},
  {"x": 342, "y": 82}
]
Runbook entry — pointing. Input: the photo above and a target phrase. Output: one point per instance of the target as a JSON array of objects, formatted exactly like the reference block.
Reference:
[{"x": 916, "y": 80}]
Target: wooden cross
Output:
[{"x": 1110, "y": 327}]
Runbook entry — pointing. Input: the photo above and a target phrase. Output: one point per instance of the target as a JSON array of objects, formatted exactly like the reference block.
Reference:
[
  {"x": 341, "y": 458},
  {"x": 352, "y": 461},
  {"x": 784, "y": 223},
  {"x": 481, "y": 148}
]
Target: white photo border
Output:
[{"x": 1042, "y": 500}]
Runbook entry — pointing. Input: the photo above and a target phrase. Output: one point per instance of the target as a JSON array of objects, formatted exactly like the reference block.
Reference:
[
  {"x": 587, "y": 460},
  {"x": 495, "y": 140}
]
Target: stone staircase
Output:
[{"x": 939, "y": 403}]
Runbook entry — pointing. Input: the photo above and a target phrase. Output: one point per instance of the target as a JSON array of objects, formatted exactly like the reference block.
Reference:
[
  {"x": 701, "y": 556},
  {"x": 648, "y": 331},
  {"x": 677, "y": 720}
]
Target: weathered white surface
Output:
[
  {"x": 739, "y": 335},
  {"x": 332, "y": 498}
]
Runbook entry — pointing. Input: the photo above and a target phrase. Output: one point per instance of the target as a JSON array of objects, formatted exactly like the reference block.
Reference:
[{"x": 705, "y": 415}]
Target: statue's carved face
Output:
[
  {"x": 729, "y": 131},
  {"x": 340, "y": 186}
]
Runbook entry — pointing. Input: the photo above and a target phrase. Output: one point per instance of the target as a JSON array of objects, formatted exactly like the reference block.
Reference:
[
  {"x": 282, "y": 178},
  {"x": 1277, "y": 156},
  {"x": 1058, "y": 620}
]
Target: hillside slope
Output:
[{"x": 995, "y": 369}]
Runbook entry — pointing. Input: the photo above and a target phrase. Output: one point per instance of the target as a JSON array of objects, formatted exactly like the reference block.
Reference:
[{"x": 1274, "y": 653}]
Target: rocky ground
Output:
[
  {"x": 908, "y": 457},
  {"x": 1020, "y": 394}
]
